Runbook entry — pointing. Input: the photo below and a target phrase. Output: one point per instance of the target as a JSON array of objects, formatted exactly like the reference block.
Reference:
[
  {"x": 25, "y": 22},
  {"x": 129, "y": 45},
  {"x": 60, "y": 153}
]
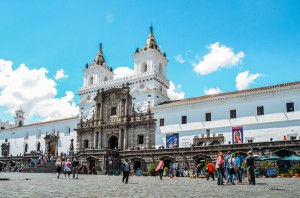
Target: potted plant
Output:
[
  {"x": 151, "y": 169},
  {"x": 296, "y": 170}
]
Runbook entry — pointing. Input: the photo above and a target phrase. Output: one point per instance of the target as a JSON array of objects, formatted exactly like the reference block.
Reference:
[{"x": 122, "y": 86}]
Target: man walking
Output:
[
  {"x": 250, "y": 168},
  {"x": 239, "y": 162},
  {"x": 227, "y": 164},
  {"x": 125, "y": 170}
]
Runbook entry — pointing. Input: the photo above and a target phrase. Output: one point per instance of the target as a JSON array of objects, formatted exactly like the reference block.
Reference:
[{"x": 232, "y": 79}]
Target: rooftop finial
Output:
[
  {"x": 100, "y": 46},
  {"x": 151, "y": 29}
]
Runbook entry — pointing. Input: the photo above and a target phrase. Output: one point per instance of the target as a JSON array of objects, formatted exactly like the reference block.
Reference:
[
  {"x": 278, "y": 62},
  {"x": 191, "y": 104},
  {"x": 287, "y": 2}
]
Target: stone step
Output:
[{"x": 49, "y": 167}]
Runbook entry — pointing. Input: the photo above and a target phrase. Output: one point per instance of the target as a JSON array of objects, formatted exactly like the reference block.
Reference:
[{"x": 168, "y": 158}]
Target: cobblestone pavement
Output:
[{"x": 47, "y": 185}]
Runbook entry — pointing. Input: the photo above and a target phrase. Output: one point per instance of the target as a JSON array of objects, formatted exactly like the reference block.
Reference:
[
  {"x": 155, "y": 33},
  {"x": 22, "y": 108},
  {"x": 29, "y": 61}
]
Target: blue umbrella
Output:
[{"x": 292, "y": 158}]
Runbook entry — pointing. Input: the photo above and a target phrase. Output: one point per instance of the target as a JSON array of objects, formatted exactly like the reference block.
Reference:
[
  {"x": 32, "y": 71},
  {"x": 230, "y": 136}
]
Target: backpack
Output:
[
  {"x": 125, "y": 167},
  {"x": 58, "y": 164}
]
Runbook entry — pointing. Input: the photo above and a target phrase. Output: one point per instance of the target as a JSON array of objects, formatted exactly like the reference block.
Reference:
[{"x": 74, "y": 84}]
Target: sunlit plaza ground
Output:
[{"x": 47, "y": 185}]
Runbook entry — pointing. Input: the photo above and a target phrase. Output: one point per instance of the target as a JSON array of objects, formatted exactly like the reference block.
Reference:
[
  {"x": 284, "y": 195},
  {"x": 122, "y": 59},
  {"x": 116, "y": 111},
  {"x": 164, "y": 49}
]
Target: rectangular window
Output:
[
  {"x": 113, "y": 111},
  {"x": 183, "y": 119},
  {"x": 232, "y": 113},
  {"x": 289, "y": 107},
  {"x": 260, "y": 110},
  {"x": 86, "y": 143},
  {"x": 162, "y": 122},
  {"x": 140, "y": 139},
  {"x": 208, "y": 117}
]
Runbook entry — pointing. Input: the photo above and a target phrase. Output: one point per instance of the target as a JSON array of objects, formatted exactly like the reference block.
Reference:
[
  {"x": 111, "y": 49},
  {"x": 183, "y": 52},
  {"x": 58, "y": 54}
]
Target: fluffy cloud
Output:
[
  {"x": 179, "y": 59},
  {"x": 60, "y": 74},
  {"x": 174, "y": 92},
  {"x": 244, "y": 79},
  {"x": 34, "y": 91},
  {"x": 121, "y": 72},
  {"x": 212, "y": 91},
  {"x": 220, "y": 56}
]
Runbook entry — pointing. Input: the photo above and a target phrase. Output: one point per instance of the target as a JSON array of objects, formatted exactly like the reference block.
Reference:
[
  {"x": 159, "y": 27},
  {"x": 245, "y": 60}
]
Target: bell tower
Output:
[
  {"x": 19, "y": 118},
  {"x": 150, "y": 58}
]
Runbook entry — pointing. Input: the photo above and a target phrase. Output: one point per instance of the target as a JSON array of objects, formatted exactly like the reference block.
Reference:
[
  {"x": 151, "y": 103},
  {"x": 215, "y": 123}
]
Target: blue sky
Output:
[{"x": 262, "y": 37}]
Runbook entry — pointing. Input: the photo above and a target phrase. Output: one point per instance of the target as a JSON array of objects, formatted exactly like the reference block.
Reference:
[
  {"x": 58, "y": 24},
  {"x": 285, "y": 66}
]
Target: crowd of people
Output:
[{"x": 69, "y": 168}]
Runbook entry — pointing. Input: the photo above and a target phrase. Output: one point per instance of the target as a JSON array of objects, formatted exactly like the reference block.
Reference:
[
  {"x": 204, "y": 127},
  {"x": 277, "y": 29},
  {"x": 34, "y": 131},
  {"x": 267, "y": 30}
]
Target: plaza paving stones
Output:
[{"x": 47, "y": 185}]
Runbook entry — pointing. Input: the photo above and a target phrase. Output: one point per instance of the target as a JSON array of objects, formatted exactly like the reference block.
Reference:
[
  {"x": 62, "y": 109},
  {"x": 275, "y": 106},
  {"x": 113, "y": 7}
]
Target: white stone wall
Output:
[
  {"x": 16, "y": 136},
  {"x": 275, "y": 123}
]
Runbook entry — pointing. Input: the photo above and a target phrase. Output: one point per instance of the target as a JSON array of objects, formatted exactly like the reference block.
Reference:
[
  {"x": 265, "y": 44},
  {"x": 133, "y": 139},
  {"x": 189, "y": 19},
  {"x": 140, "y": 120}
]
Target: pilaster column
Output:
[
  {"x": 120, "y": 139},
  {"x": 125, "y": 139},
  {"x": 100, "y": 139},
  {"x": 94, "y": 140}
]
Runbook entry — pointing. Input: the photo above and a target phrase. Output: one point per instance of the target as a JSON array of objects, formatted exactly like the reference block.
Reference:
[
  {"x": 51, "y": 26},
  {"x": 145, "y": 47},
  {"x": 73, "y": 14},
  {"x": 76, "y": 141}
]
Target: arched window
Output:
[
  {"x": 26, "y": 148},
  {"x": 20, "y": 123},
  {"x": 91, "y": 81},
  {"x": 144, "y": 67},
  {"x": 161, "y": 69},
  {"x": 38, "y": 146}
]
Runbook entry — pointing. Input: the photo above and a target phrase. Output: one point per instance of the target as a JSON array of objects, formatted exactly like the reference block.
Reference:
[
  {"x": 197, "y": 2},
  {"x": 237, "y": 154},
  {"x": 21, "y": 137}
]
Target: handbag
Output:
[{"x": 67, "y": 169}]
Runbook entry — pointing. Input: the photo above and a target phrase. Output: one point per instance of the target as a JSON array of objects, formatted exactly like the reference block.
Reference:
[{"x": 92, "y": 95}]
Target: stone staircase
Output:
[{"x": 48, "y": 167}]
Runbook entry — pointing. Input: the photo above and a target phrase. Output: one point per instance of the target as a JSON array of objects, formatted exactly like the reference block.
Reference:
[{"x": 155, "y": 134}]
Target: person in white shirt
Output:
[{"x": 232, "y": 167}]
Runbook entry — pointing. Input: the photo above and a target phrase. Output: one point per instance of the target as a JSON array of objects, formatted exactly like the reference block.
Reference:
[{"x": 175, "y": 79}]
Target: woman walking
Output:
[
  {"x": 58, "y": 165},
  {"x": 68, "y": 168},
  {"x": 220, "y": 167}
]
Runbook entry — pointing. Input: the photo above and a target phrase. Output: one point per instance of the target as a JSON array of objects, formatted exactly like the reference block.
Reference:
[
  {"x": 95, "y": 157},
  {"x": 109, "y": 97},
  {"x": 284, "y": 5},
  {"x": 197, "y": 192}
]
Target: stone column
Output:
[
  {"x": 125, "y": 139},
  {"x": 100, "y": 139},
  {"x": 94, "y": 140},
  {"x": 120, "y": 139}
]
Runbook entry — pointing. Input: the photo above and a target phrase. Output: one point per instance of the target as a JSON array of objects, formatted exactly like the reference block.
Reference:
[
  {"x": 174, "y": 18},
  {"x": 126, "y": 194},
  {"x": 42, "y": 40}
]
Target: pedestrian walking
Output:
[
  {"x": 160, "y": 169},
  {"x": 58, "y": 165},
  {"x": 220, "y": 168},
  {"x": 226, "y": 164},
  {"x": 239, "y": 163},
  {"x": 250, "y": 168},
  {"x": 232, "y": 168},
  {"x": 125, "y": 169},
  {"x": 210, "y": 167},
  {"x": 68, "y": 168},
  {"x": 75, "y": 166}
]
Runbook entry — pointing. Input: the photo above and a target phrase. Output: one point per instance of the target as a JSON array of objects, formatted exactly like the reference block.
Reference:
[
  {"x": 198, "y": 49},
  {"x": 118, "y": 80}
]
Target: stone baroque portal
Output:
[{"x": 115, "y": 125}]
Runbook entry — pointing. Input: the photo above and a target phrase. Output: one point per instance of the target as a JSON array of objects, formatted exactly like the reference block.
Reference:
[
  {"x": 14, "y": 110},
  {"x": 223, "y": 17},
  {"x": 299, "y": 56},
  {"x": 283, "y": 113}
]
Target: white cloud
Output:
[
  {"x": 174, "y": 92},
  {"x": 34, "y": 91},
  {"x": 212, "y": 91},
  {"x": 220, "y": 56},
  {"x": 109, "y": 18},
  {"x": 121, "y": 72},
  {"x": 244, "y": 79},
  {"x": 179, "y": 59},
  {"x": 60, "y": 74}
]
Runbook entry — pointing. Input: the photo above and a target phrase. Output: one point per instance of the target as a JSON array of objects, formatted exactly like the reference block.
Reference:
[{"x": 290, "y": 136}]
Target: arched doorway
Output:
[
  {"x": 137, "y": 165},
  {"x": 52, "y": 149},
  {"x": 26, "y": 148},
  {"x": 38, "y": 146},
  {"x": 216, "y": 142},
  {"x": 113, "y": 142}
]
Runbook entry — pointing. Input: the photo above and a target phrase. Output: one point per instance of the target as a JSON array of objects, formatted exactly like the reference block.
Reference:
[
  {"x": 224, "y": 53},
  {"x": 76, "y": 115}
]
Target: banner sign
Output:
[
  {"x": 172, "y": 140},
  {"x": 237, "y": 135}
]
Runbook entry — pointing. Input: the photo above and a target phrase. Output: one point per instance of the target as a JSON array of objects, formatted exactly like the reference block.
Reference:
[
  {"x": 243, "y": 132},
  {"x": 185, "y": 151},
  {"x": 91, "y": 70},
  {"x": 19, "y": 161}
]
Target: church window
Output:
[
  {"x": 20, "y": 123},
  {"x": 162, "y": 122},
  {"x": 260, "y": 110},
  {"x": 140, "y": 139},
  {"x": 208, "y": 117},
  {"x": 289, "y": 107},
  {"x": 26, "y": 148},
  {"x": 88, "y": 98},
  {"x": 144, "y": 67},
  {"x": 105, "y": 78},
  {"x": 91, "y": 82},
  {"x": 161, "y": 69},
  {"x": 38, "y": 146},
  {"x": 183, "y": 119},
  {"x": 232, "y": 113},
  {"x": 86, "y": 143},
  {"x": 113, "y": 111}
]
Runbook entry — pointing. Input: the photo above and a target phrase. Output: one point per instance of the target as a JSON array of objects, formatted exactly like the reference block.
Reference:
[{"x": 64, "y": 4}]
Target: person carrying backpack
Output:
[
  {"x": 58, "y": 165},
  {"x": 125, "y": 169}
]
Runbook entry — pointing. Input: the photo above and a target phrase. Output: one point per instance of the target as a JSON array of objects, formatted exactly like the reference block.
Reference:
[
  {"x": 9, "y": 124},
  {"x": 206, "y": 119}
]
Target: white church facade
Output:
[{"x": 263, "y": 113}]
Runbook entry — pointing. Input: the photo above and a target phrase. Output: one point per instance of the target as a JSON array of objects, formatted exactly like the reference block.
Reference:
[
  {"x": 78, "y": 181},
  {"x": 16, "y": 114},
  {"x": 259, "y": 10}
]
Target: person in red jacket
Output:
[{"x": 210, "y": 167}]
